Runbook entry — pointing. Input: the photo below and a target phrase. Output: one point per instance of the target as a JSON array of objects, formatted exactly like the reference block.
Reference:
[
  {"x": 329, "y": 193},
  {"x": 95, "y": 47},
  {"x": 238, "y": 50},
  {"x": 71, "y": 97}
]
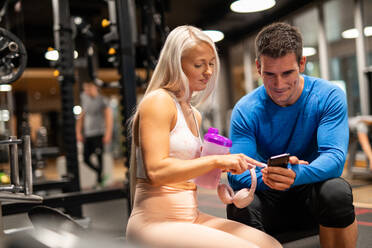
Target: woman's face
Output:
[{"x": 198, "y": 65}]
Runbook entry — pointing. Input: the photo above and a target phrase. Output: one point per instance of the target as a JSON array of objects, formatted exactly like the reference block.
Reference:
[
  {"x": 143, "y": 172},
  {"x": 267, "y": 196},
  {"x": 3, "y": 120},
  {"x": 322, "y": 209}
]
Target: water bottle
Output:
[{"x": 214, "y": 144}]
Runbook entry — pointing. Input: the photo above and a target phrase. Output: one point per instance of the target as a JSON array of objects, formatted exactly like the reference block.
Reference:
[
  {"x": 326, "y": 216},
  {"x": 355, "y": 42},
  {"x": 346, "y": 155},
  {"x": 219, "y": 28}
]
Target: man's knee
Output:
[
  {"x": 335, "y": 192},
  {"x": 248, "y": 215},
  {"x": 335, "y": 203}
]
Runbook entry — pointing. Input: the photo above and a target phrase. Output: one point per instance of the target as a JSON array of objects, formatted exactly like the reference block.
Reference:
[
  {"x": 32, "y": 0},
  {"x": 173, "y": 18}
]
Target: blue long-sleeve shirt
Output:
[{"x": 315, "y": 129}]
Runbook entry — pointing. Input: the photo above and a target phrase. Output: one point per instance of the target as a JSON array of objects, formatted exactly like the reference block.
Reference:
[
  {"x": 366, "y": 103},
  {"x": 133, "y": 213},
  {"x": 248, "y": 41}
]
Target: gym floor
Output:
[{"x": 109, "y": 218}]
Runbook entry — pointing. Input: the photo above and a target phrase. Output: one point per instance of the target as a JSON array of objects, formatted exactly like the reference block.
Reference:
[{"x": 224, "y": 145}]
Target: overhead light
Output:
[
  {"x": 215, "y": 35},
  {"x": 350, "y": 33},
  {"x": 308, "y": 51},
  {"x": 368, "y": 31},
  {"x": 5, "y": 87},
  {"x": 353, "y": 33},
  {"x": 53, "y": 55},
  {"x": 247, "y": 6}
]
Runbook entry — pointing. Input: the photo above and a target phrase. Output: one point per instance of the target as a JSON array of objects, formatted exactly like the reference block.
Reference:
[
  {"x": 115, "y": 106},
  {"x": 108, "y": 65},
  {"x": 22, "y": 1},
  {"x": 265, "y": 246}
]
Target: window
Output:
[{"x": 341, "y": 51}]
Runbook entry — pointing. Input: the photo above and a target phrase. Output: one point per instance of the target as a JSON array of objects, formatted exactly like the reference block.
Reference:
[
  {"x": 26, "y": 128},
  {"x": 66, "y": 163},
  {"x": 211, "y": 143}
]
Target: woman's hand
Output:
[{"x": 237, "y": 163}]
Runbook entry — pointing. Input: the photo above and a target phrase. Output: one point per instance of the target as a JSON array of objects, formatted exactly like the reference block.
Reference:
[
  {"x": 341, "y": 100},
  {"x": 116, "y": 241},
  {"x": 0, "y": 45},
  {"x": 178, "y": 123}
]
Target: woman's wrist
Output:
[{"x": 216, "y": 161}]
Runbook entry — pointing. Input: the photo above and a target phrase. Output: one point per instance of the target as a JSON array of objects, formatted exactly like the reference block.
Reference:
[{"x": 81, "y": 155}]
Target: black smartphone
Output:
[{"x": 279, "y": 160}]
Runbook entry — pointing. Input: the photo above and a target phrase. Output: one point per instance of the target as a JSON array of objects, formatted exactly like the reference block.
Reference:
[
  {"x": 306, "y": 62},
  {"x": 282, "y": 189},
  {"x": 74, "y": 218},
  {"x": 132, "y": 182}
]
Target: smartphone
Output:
[{"x": 279, "y": 160}]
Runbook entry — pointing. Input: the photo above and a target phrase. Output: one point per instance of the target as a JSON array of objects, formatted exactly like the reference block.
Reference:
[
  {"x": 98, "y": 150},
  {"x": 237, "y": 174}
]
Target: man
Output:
[
  {"x": 306, "y": 117},
  {"x": 96, "y": 120},
  {"x": 360, "y": 126}
]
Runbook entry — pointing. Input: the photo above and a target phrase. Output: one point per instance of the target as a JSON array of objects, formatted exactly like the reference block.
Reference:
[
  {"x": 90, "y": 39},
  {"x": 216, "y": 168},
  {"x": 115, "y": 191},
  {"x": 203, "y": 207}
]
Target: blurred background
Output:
[{"x": 115, "y": 44}]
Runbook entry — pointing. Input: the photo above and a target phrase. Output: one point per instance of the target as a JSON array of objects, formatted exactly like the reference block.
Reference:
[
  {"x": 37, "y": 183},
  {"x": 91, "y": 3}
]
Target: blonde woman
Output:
[{"x": 166, "y": 149}]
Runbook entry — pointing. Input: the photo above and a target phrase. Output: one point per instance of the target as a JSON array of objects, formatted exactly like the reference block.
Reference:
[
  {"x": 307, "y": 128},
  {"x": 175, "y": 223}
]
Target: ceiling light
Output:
[
  {"x": 353, "y": 33},
  {"x": 214, "y": 35},
  {"x": 368, "y": 31},
  {"x": 350, "y": 33},
  {"x": 53, "y": 55},
  {"x": 308, "y": 51},
  {"x": 247, "y": 6},
  {"x": 5, "y": 87}
]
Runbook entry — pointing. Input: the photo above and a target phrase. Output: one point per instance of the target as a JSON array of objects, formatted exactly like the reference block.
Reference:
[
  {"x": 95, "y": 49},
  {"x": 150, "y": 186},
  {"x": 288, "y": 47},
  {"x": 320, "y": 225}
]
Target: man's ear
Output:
[
  {"x": 302, "y": 64},
  {"x": 258, "y": 66}
]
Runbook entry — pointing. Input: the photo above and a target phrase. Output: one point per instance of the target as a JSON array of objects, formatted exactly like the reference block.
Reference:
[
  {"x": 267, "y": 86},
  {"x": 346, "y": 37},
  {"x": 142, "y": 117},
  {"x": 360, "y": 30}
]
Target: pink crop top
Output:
[{"x": 182, "y": 143}]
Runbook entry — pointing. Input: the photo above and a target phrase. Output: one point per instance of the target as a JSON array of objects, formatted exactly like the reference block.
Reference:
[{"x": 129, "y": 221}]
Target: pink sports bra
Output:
[{"x": 183, "y": 144}]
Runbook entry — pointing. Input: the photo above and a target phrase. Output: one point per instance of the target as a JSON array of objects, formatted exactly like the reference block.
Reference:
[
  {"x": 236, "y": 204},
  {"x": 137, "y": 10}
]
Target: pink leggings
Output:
[{"x": 168, "y": 217}]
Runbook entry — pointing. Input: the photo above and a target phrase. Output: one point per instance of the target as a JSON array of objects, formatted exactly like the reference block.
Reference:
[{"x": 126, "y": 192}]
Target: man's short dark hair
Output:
[{"x": 277, "y": 40}]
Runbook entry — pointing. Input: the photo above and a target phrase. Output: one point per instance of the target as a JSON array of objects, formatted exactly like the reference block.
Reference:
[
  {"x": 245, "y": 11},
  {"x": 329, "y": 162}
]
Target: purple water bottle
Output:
[{"x": 214, "y": 144}]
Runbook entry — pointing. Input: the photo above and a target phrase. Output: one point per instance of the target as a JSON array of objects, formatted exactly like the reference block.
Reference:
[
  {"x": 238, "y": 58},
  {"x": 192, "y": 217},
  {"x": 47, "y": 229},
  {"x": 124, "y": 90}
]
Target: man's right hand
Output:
[{"x": 279, "y": 178}]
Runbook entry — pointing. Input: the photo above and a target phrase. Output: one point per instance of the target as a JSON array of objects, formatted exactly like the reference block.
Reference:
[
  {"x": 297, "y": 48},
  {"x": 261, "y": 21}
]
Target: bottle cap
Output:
[{"x": 213, "y": 137}]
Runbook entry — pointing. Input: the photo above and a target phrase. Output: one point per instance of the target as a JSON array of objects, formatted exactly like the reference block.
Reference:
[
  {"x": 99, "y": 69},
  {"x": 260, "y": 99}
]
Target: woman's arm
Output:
[{"x": 158, "y": 116}]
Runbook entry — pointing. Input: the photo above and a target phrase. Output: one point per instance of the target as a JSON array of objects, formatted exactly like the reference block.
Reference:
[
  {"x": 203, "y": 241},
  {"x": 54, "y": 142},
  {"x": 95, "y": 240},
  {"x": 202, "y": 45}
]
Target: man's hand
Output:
[{"x": 280, "y": 178}]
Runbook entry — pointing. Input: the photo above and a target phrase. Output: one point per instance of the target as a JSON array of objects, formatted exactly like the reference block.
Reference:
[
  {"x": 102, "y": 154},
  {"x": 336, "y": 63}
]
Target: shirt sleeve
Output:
[
  {"x": 105, "y": 103},
  {"x": 243, "y": 139},
  {"x": 332, "y": 139}
]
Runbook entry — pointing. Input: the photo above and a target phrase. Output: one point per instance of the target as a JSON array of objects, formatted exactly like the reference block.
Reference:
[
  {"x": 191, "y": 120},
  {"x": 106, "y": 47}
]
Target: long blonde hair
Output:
[{"x": 168, "y": 75}]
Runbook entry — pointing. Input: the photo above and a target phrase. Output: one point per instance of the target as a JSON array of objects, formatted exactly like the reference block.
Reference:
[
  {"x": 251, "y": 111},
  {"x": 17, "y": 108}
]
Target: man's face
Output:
[
  {"x": 281, "y": 77},
  {"x": 90, "y": 89}
]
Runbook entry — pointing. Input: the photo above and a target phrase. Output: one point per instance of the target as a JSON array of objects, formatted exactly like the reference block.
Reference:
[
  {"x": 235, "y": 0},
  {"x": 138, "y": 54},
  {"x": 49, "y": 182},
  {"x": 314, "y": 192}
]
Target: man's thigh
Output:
[
  {"x": 276, "y": 211},
  {"x": 328, "y": 203}
]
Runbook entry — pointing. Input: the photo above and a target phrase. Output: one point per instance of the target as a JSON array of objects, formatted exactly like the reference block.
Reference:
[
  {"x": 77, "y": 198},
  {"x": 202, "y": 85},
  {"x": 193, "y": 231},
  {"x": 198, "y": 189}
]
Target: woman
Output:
[{"x": 166, "y": 146}]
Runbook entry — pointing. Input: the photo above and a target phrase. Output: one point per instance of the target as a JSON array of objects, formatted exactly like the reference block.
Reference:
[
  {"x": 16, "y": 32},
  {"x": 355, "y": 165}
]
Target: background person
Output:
[
  {"x": 306, "y": 117},
  {"x": 94, "y": 127},
  {"x": 166, "y": 149},
  {"x": 360, "y": 125}
]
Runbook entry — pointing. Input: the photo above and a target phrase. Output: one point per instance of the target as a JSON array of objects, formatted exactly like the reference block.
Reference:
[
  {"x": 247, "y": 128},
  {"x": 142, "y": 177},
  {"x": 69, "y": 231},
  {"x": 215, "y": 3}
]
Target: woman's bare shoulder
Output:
[{"x": 158, "y": 101}]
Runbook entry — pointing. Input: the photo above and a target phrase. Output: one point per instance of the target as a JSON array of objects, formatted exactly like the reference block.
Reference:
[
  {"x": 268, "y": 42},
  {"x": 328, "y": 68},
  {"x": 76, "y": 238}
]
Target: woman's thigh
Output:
[
  {"x": 240, "y": 230},
  {"x": 181, "y": 235}
]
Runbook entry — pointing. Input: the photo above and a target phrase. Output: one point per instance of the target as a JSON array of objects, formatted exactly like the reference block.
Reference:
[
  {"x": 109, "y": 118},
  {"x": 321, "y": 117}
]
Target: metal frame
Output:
[
  {"x": 64, "y": 44},
  {"x": 72, "y": 198},
  {"x": 69, "y": 200},
  {"x": 15, "y": 192},
  {"x": 361, "y": 58}
]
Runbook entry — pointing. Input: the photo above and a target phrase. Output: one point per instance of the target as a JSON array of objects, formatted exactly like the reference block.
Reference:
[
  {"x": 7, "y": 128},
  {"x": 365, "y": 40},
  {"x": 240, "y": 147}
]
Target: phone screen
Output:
[{"x": 279, "y": 160}]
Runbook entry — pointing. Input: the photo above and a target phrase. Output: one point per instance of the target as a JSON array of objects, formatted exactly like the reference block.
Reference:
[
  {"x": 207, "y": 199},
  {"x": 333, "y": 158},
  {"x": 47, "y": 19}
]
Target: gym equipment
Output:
[
  {"x": 13, "y": 57},
  {"x": 15, "y": 192},
  {"x": 72, "y": 197},
  {"x": 51, "y": 218},
  {"x": 64, "y": 45}
]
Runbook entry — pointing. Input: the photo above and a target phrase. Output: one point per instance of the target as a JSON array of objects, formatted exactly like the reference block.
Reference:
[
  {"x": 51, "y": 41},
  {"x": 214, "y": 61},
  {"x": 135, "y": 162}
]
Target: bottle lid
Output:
[{"x": 213, "y": 137}]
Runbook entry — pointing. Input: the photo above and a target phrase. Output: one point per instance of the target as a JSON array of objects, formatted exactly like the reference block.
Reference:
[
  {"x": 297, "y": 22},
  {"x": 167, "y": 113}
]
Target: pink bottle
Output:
[{"x": 214, "y": 144}]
